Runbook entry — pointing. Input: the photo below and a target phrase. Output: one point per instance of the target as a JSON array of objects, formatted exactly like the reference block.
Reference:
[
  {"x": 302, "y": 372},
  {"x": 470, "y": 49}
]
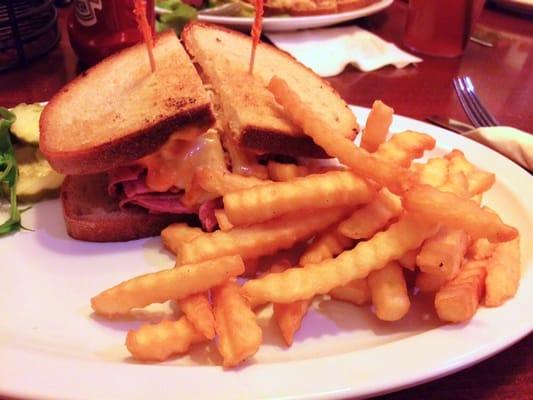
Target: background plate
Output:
[
  {"x": 276, "y": 24},
  {"x": 51, "y": 346}
]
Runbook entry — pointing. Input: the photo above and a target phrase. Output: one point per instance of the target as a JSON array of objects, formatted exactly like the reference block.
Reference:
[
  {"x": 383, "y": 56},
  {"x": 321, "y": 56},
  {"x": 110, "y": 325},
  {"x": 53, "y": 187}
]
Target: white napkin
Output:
[
  {"x": 512, "y": 143},
  {"x": 328, "y": 51}
]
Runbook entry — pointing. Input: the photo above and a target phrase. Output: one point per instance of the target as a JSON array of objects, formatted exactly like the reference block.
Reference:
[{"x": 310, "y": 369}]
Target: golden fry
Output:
[
  {"x": 223, "y": 221},
  {"x": 280, "y": 172},
  {"x": 356, "y": 292},
  {"x": 357, "y": 159},
  {"x": 289, "y": 316},
  {"x": 428, "y": 283},
  {"x": 408, "y": 260},
  {"x": 458, "y": 299},
  {"x": 443, "y": 253},
  {"x": 260, "y": 239},
  {"x": 239, "y": 335},
  {"x": 374, "y": 216},
  {"x": 402, "y": 148},
  {"x": 456, "y": 183},
  {"x": 159, "y": 341},
  {"x": 456, "y": 212},
  {"x": 327, "y": 244},
  {"x": 158, "y": 287},
  {"x": 303, "y": 283},
  {"x": 478, "y": 181},
  {"x": 221, "y": 183},
  {"x": 377, "y": 126},
  {"x": 478, "y": 198},
  {"x": 503, "y": 273},
  {"x": 389, "y": 292},
  {"x": 433, "y": 173},
  {"x": 480, "y": 249},
  {"x": 175, "y": 234},
  {"x": 198, "y": 311},
  {"x": 320, "y": 191}
]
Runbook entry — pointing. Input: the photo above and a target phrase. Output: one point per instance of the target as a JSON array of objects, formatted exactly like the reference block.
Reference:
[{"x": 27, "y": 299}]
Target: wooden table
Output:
[{"x": 504, "y": 78}]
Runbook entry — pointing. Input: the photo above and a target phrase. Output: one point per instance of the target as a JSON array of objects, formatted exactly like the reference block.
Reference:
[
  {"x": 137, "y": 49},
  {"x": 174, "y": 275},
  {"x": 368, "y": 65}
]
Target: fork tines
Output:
[{"x": 472, "y": 106}]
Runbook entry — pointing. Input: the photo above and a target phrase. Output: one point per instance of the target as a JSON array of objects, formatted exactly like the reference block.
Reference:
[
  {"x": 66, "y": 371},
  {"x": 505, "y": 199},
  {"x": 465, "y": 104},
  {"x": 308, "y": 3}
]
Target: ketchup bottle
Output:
[{"x": 98, "y": 28}]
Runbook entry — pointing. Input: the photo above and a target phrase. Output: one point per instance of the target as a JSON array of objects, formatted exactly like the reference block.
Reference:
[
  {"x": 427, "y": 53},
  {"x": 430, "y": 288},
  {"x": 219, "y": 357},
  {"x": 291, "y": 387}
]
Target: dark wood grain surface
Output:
[
  {"x": 504, "y": 78},
  {"x": 503, "y": 74}
]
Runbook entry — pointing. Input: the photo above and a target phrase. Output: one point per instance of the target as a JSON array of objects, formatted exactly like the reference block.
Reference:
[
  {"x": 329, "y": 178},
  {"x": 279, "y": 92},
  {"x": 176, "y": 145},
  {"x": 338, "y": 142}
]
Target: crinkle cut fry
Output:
[
  {"x": 456, "y": 212},
  {"x": 223, "y": 221},
  {"x": 389, "y": 292},
  {"x": 199, "y": 312},
  {"x": 331, "y": 189},
  {"x": 458, "y": 299},
  {"x": 357, "y": 159},
  {"x": 372, "y": 217},
  {"x": 503, "y": 273},
  {"x": 397, "y": 179},
  {"x": 327, "y": 244},
  {"x": 429, "y": 282},
  {"x": 434, "y": 172},
  {"x": 175, "y": 234},
  {"x": 260, "y": 239},
  {"x": 280, "y": 172},
  {"x": 377, "y": 126},
  {"x": 303, "y": 283},
  {"x": 478, "y": 181},
  {"x": 356, "y": 292},
  {"x": 222, "y": 182},
  {"x": 239, "y": 335},
  {"x": 159, "y": 341},
  {"x": 289, "y": 316},
  {"x": 443, "y": 253},
  {"x": 403, "y": 147},
  {"x": 170, "y": 284}
]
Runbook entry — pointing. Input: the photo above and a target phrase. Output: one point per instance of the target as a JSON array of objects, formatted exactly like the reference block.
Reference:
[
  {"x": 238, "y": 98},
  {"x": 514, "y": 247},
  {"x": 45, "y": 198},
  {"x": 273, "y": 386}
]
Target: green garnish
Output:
[
  {"x": 8, "y": 172},
  {"x": 180, "y": 13}
]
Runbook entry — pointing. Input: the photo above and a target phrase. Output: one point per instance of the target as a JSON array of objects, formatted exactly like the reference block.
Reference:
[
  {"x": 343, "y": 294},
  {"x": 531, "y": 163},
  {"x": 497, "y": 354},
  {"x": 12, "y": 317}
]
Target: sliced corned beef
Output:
[{"x": 206, "y": 214}]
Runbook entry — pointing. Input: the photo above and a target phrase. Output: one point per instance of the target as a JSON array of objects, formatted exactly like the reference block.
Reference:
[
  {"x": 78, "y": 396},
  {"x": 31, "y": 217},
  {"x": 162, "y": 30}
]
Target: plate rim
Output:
[
  {"x": 397, "y": 382},
  {"x": 274, "y": 24}
]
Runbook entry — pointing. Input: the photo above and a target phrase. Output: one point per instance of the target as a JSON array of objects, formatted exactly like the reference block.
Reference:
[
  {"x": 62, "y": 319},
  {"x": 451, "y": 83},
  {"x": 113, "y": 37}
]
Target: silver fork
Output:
[{"x": 476, "y": 112}]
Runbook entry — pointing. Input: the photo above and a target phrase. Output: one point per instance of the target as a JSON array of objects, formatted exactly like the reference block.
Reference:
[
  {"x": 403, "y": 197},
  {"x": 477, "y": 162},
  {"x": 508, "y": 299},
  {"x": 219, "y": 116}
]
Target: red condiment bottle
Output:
[{"x": 98, "y": 28}]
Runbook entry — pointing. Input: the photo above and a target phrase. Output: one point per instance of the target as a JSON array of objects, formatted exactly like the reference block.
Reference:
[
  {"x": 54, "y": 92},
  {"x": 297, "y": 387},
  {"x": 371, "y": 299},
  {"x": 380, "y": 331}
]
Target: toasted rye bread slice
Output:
[
  {"x": 91, "y": 215},
  {"x": 119, "y": 111},
  {"x": 255, "y": 119},
  {"x": 349, "y": 5}
]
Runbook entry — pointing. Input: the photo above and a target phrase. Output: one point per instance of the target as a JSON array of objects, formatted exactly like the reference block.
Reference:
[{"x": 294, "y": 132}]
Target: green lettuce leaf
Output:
[
  {"x": 8, "y": 172},
  {"x": 180, "y": 13}
]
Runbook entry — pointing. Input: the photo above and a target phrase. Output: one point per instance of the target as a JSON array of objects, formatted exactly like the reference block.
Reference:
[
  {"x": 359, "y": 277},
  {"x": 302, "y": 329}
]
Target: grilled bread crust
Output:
[
  {"x": 118, "y": 111},
  {"x": 92, "y": 215},
  {"x": 256, "y": 121}
]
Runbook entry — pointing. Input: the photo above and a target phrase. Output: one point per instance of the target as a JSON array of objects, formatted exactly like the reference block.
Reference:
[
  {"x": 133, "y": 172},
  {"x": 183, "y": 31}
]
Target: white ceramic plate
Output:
[
  {"x": 52, "y": 347},
  {"x": 276, "y": 24}
]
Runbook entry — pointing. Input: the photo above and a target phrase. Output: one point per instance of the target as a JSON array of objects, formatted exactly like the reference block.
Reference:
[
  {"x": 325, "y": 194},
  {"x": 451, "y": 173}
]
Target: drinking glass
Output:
[{"x": 440, "y": 27}]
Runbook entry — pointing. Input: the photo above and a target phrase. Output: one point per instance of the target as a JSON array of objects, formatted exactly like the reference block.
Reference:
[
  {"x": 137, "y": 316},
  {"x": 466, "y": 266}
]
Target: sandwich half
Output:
[
  {"x": 249, "y": 111},
  {"x": 99, "y": 125}
]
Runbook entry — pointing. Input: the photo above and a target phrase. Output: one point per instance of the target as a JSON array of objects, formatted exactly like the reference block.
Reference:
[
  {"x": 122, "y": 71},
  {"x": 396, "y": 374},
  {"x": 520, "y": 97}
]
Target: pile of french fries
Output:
[{"x": 363, "y": 223}]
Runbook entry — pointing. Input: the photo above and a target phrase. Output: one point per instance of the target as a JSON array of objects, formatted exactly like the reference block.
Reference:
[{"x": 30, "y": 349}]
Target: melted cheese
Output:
[{"x": 174, "y": 165}]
